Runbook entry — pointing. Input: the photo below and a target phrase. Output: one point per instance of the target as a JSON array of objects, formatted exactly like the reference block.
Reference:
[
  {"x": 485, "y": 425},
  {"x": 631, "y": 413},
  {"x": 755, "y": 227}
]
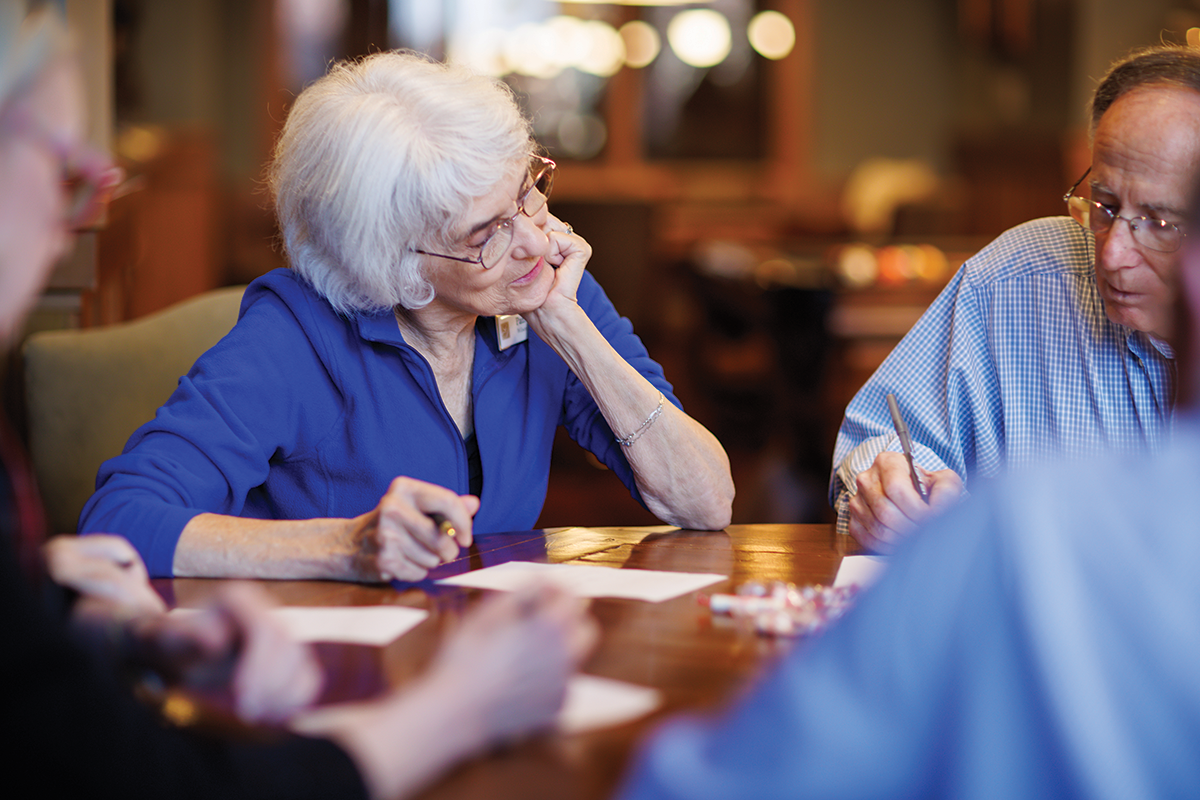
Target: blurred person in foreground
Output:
[
  {"x": 1039, "y": 640},
  {"x": 74, "y": 625},
  {"x": 1050, "y": 339},
  {"x": 384, "y": 378}
]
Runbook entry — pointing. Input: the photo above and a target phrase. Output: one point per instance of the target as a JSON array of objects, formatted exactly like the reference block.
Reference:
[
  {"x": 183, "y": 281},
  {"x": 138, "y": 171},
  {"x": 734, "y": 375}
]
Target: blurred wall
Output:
[
  {"x": 902, "y": 80},
  {"x": 200, "y": 64},
  {"x": 883, "y": 82},
  {"x": 1107, "y": 29}
]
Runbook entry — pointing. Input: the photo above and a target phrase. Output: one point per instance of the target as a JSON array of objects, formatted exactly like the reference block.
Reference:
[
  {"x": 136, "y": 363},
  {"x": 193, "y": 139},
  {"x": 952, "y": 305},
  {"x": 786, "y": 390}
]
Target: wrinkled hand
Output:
[
  {"x": 398, "y": 539},
  {"x": 108, "y": 574},
  {"x": 234, "y": 640},
  {"x": 887, "y": 508},
  {"x": 569, "y": 254},
  {"x": 531, "y": 642}
]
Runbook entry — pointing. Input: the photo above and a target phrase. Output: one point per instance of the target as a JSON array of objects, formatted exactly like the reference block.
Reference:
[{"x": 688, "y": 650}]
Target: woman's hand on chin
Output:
[
  {"x": 568, "y": 254},
  {"x": 401, "y": 540}
]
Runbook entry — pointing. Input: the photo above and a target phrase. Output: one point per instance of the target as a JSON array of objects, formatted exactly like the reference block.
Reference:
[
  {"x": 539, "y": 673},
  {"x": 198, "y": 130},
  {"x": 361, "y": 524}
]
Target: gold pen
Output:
[{"x": 443, "y": 524}]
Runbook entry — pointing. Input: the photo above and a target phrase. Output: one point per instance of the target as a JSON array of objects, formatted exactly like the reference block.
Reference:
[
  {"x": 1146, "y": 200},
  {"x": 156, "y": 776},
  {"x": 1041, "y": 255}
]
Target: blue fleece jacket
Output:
[{"x": 301, "y": 413}]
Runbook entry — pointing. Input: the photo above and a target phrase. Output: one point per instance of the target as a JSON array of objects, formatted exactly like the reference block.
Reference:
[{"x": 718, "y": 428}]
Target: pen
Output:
[
  {"x": 443, "y": 524},
  {"x": 906, "y": 444}
]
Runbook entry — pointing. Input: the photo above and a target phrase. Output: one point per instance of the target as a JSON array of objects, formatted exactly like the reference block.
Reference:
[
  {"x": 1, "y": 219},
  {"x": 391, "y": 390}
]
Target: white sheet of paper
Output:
[
  {"x": 863, "y": 570},
  {"x": 593, "y": 702},
  {"x": 585, "y": 580},
  {"x": 370, "y": 625}
]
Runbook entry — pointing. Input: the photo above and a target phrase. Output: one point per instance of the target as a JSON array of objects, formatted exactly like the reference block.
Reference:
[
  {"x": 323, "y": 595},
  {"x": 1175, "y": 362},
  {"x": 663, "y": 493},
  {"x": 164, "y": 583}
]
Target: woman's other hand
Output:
[{"x": 400, "y": 540}]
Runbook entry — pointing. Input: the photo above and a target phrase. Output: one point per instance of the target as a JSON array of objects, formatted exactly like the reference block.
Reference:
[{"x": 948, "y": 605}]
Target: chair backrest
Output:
[{"x": 88, "y": 390}]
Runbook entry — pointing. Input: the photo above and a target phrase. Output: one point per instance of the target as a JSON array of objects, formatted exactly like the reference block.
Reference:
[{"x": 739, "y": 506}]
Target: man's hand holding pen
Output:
[
  {"x": 886, "y": 507},
  {"x": 895, "y": 495}
]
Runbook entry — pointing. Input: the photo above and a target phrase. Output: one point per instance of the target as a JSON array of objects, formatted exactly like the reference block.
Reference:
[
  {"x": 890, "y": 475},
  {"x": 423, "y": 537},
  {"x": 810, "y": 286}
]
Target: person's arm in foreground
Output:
[
  {"x": 680, "y": 469},
  {"x": 398, "y": 743},
  {"x": 83, "y": 734},
  {"x": 233, "y": 640}
]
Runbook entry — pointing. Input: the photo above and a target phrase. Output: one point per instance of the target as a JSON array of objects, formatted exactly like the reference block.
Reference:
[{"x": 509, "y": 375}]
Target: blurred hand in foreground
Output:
[{"x": 501, "y": 675}]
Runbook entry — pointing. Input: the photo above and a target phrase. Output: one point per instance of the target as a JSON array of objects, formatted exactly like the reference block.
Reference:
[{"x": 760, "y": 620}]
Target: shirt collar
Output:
[
  {"x": 1139, "y": 343},
  {"x": 382, "y": 328}
]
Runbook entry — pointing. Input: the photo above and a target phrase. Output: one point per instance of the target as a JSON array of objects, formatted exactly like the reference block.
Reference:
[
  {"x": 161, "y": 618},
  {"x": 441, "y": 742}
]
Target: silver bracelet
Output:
[{"x": 626, "y": 441}]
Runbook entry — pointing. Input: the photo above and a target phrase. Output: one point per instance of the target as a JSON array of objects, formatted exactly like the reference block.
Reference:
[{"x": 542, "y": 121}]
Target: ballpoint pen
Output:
[
  {"x": 906, "y": 444},
  {"x": 443, "y": 524}
]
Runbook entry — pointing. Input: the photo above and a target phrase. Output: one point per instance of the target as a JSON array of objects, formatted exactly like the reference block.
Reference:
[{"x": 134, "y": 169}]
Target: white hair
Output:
[{"x": 381, "y": 156}]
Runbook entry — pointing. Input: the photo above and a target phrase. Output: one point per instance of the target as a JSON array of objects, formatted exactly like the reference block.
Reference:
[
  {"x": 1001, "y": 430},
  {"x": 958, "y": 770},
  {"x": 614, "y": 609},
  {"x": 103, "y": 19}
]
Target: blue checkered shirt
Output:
[{"x": 1015, "y": 361}]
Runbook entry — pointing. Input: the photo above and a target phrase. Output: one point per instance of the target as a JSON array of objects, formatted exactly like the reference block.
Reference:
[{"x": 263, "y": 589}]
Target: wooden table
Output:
[{"x": 696, "y": 660}]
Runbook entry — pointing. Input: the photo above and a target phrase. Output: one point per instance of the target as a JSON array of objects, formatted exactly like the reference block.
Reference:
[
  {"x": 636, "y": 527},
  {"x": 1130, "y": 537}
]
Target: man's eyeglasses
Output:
[
  {"x": 497, "y": 238},
  {"x": 1155, "y": 234}
]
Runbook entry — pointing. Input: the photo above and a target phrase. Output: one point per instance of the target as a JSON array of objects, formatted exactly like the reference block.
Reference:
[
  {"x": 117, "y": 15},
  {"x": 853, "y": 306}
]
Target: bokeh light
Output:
[
  {"x": 530, "y": 50},
  {"x": 544, "y": 49},
  {"x": 771, "y": 34},
  {"x": 605, "y": 51},
  {"x": 569, "y": 36},
  {"x": 581, "y": 136},
  {"x": 482, "y": 51},
  {"x": 700, "y": 37},
  {"x": 642, "y": 43}
]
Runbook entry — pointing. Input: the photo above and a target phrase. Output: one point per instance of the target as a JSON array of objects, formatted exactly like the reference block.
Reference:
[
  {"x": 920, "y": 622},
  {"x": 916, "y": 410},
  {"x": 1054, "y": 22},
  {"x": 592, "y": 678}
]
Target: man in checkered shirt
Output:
[{"x": 1050, "y": 339}]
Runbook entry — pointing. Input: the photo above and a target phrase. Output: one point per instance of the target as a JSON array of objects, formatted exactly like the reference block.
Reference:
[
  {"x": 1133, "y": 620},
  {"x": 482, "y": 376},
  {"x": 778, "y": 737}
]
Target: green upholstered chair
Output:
[{"x": 88, "y": 390}]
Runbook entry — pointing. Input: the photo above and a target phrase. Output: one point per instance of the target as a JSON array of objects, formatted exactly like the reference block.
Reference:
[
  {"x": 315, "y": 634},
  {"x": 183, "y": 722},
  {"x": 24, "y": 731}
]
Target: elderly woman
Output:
[{"x": 382, "y": 384}]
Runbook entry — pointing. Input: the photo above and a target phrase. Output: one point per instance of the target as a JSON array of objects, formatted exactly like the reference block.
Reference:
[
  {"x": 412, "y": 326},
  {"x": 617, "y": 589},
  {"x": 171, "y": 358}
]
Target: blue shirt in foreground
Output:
[
  {"x": 300, "y": 413},
  {"x": 1038, "y": 641},
  {"x": 1015, "y": 361}
]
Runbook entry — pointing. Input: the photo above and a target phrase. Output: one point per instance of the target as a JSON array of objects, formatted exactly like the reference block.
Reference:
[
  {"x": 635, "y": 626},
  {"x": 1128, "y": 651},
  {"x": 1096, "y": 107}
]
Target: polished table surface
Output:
[{"x": 696, "y": 660}]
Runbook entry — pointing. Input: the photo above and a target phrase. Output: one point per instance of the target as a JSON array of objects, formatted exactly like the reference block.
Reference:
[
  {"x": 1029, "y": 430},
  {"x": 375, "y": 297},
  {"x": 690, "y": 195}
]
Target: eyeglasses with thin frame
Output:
[
  {"x": 498, "y": 236},
  {"x": 1156, "y": 234}
]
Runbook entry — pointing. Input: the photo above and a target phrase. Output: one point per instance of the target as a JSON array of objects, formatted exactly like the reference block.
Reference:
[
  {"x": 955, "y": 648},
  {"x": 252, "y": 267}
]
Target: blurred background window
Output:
[{"x": 700, "y": 87}]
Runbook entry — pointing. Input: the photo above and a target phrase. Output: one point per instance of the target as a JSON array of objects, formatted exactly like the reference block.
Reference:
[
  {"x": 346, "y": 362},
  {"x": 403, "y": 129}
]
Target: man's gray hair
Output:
[
  {"x": 383, "y": 155},
  {"x": 1164, "y": 65}
]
